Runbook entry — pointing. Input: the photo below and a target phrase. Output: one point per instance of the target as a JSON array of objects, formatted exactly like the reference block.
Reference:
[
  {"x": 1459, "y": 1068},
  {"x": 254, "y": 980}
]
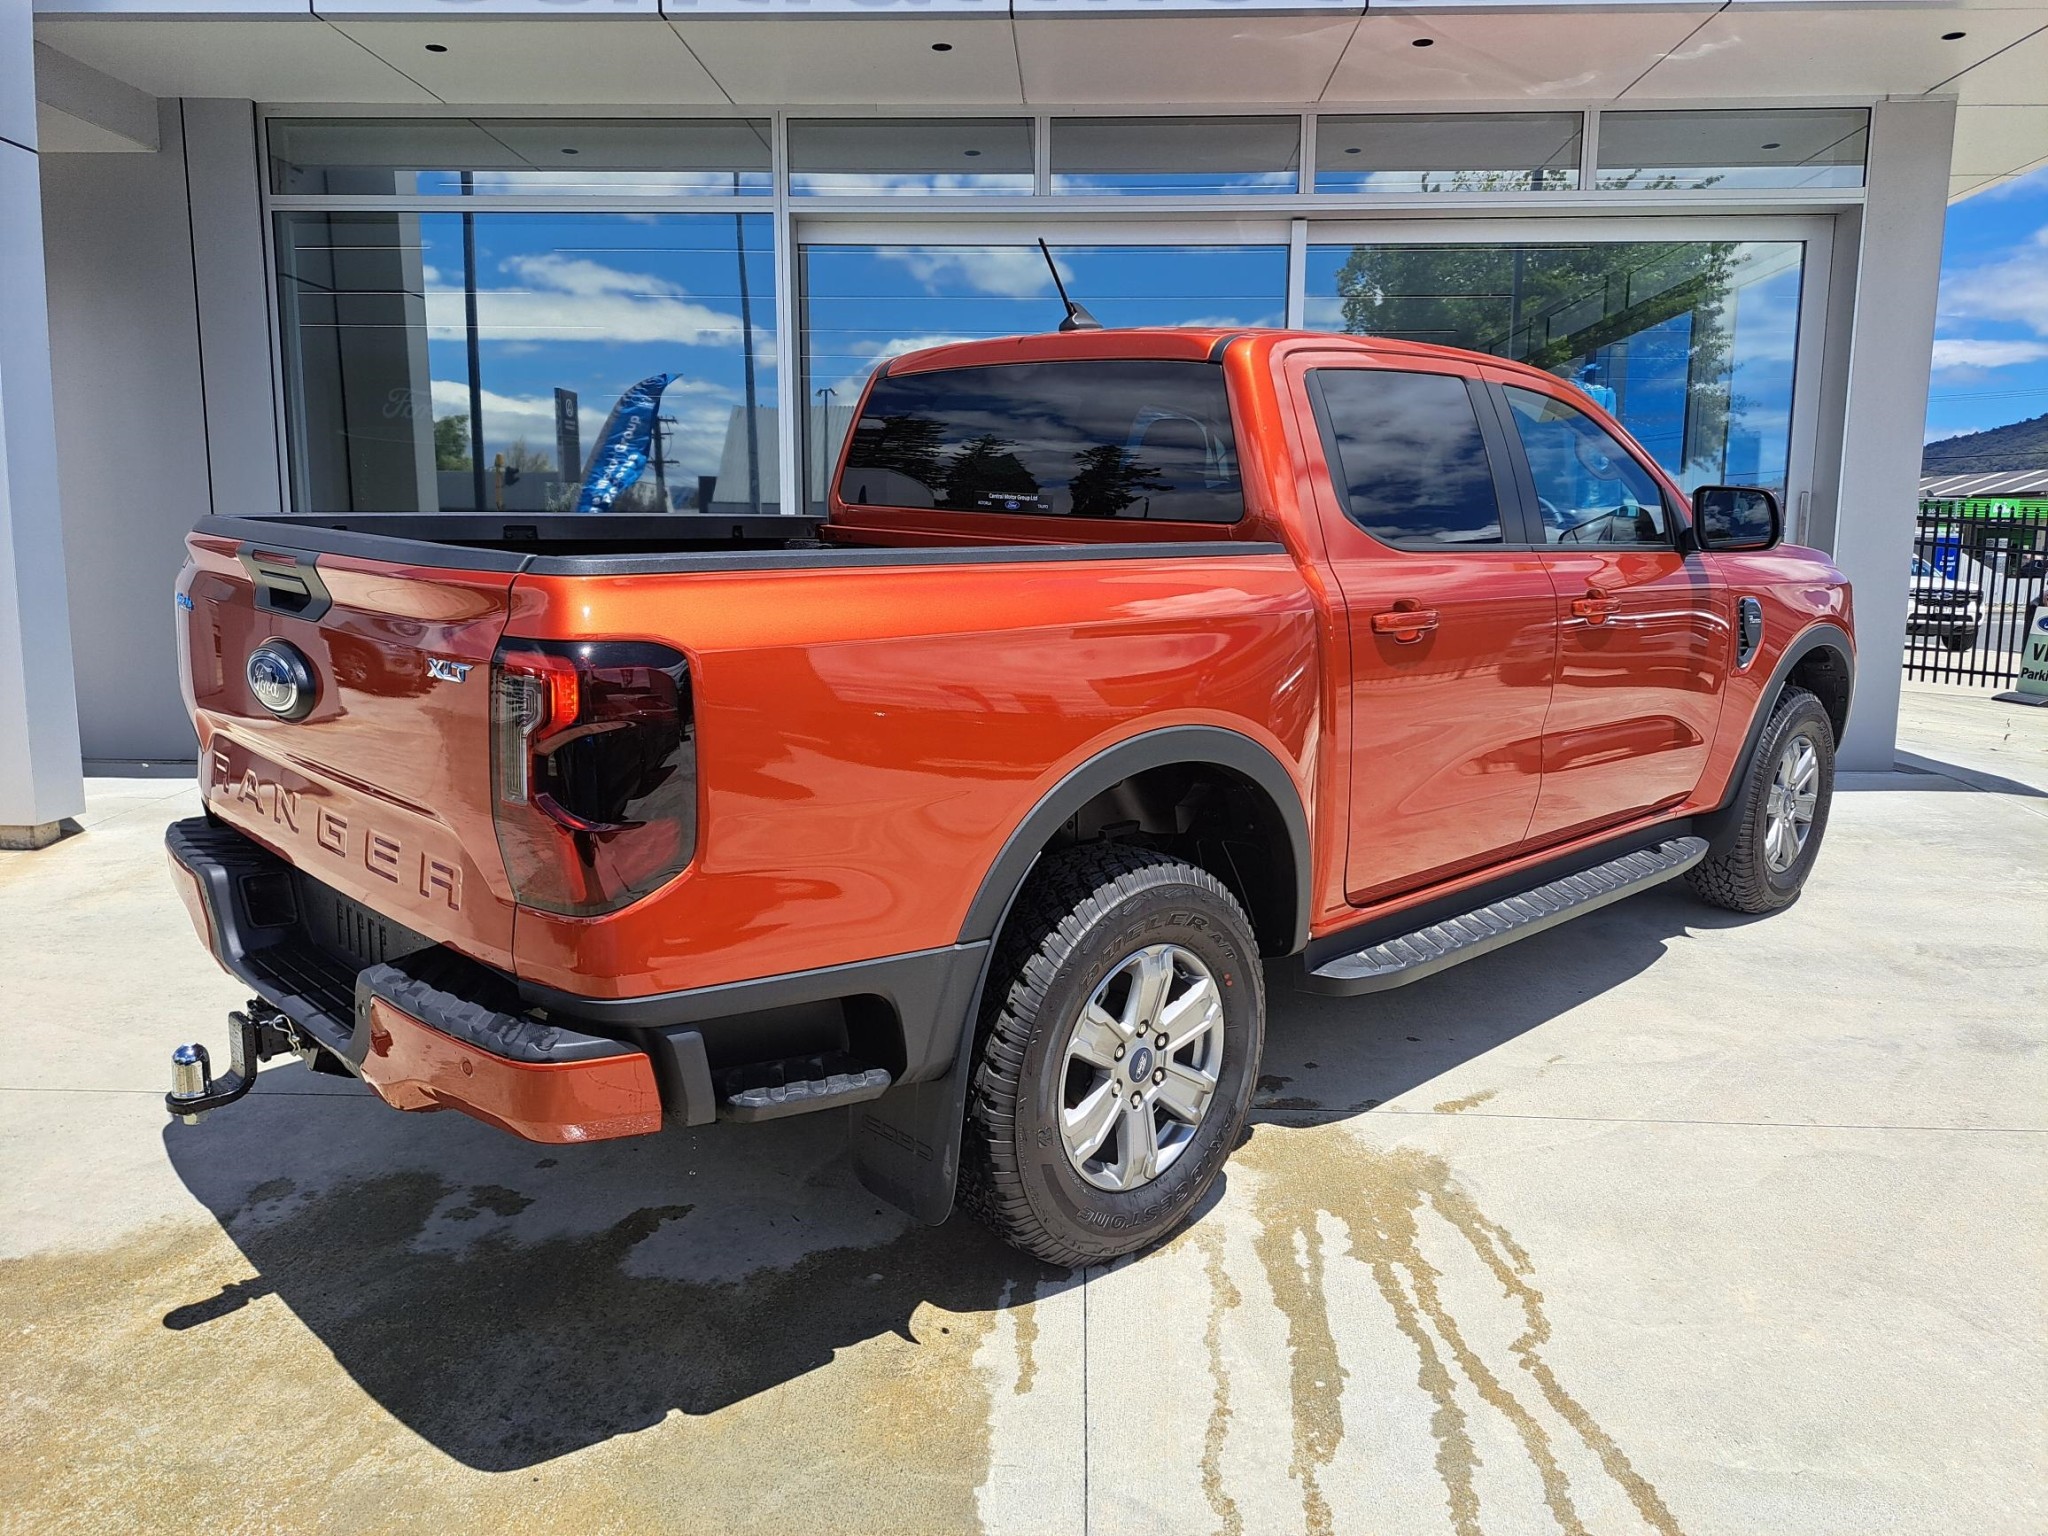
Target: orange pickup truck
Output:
[{"x": 1129, "y": 674}]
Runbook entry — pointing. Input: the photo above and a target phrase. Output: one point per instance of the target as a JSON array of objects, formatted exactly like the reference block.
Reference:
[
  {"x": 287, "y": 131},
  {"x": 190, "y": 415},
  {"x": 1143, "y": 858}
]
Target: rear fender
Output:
[{"x": 906, "y": 1144}]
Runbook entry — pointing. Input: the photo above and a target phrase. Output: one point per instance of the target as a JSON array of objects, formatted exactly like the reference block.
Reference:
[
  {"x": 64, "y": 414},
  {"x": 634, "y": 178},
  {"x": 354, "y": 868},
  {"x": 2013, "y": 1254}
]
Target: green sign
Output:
[{"x": 1978, "y": 508}]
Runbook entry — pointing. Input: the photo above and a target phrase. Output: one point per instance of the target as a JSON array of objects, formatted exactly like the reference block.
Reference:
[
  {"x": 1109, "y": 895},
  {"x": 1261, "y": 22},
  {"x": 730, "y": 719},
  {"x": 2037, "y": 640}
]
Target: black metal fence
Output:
[{"x": 1976, "y": 582}]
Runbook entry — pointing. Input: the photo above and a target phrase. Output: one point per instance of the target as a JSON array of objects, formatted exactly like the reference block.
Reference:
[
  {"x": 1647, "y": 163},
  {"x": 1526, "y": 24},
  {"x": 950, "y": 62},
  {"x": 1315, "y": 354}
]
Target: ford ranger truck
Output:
[{"x": 1128, "y": 674}]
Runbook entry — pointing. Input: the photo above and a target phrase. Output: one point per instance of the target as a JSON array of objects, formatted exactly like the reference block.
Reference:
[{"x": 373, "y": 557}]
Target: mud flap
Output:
[{"x": 906, "y": 1144}]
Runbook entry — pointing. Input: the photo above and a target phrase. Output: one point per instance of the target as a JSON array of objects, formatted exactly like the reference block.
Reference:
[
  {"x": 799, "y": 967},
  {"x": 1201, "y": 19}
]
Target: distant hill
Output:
[{"x": 2019, "y": 445}]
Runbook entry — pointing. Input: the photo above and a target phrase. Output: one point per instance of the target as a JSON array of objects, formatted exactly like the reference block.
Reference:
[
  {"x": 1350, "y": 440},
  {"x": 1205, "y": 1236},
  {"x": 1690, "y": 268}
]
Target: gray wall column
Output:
[
  {"x": 39, "y": 767},
  {"x": 1884, "y": 410}
]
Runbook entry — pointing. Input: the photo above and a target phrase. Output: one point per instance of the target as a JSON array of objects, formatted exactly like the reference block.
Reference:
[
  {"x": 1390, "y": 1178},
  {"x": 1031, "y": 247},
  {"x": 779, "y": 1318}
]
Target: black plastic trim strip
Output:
[
  {"x": 841, "y": 559},
  {"x": 275, "y": 574},
  {"x": 312, "y": 538},
  {"x": 1155, "y": 749},
  {"x": 316, "y": 539},
  {"x": 1221, "y": 345},
  {"x": 927, "y": 988}
]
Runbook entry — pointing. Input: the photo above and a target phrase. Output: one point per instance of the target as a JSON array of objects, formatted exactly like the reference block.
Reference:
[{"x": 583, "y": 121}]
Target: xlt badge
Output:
[{"x": 448, "y": 671}]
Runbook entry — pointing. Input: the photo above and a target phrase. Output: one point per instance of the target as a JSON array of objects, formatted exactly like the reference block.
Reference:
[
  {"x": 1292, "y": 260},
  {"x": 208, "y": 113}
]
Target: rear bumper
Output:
[{"x": 426, "y": 1029}]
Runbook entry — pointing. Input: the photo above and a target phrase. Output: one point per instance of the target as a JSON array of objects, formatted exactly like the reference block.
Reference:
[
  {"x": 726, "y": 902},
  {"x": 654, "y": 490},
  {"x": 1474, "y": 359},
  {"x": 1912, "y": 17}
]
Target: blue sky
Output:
[{"x": 1991, "y": 345}]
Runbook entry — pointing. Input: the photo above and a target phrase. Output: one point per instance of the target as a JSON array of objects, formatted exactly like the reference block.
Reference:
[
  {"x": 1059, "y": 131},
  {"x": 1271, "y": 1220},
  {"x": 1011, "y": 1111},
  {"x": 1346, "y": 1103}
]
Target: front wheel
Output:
[
  {"x": 1784, "y": 812},
  {"x": 1966, "y": 640},
  {"x": 1125, "y": 1017}
]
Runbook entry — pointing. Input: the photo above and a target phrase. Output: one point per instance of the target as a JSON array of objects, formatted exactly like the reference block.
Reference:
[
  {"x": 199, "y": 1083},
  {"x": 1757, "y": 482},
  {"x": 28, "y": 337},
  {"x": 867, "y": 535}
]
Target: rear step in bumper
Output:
[
  {"x": 412, "y": 1065},
  {"x": 1412, "y": 956},
  {"x": 770, "y": 1090}
]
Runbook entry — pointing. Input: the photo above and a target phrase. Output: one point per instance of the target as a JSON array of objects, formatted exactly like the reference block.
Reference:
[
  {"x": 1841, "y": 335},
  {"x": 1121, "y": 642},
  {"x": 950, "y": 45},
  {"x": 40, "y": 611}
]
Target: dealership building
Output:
[{"x": 402, "y": 255}]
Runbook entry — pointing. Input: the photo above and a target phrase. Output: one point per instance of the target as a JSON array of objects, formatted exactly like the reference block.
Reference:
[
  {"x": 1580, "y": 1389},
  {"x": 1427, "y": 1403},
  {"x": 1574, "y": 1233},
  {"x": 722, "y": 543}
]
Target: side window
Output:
[
  {"x": 1114, "y": 437},
  {"x": 1589, "y": 489},
  {"x": 1407, "y": 455}
]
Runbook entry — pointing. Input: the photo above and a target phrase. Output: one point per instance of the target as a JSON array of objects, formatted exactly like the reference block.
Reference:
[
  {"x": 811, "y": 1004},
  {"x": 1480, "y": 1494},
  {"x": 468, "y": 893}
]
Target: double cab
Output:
[{"x": 1127, "y": 675}]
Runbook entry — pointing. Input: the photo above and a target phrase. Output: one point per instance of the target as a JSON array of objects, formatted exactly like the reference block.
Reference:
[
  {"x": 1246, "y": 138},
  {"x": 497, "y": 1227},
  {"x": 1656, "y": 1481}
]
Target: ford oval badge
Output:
[{"x": 282, "y": 679}]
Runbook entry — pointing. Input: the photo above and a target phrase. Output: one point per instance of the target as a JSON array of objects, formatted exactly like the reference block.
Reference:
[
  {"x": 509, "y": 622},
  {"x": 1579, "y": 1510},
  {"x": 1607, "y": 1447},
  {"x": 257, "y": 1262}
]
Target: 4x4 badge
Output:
[{"x": 448, "y": 671}]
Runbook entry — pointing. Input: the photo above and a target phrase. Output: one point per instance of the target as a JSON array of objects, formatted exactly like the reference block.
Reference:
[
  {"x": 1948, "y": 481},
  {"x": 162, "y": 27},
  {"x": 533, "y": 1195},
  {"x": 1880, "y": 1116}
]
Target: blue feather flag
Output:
[{"x": 622, "y": 448}]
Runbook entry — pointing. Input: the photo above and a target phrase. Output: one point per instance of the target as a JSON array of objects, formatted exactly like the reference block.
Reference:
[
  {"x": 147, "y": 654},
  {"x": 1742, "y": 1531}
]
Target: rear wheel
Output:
[
  {"x": 1966, "y": 640},
  {"x": 1125, "y": 1016},
  {"x": 1784, "y": 812}
]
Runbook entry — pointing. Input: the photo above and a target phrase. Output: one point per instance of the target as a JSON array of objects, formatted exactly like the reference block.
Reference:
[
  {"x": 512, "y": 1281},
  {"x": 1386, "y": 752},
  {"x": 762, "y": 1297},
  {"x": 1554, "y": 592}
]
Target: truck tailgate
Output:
[{"x": 382, "y": 788}]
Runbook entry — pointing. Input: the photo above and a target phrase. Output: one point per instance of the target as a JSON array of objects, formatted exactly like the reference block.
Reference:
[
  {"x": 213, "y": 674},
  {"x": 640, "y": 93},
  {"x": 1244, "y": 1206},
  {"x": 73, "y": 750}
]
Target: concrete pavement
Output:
[{"x": 1666, "y": 1221}]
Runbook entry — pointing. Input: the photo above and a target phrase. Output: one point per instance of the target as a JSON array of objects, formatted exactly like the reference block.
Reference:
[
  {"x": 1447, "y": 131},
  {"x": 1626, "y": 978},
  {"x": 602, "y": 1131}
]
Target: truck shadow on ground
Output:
[{"x": 513, "y": 1303}]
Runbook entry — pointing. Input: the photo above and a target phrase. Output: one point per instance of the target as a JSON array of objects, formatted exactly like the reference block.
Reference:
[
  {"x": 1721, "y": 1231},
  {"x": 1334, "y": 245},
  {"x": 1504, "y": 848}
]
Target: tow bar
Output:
[{"x": 258, "y": 1034}]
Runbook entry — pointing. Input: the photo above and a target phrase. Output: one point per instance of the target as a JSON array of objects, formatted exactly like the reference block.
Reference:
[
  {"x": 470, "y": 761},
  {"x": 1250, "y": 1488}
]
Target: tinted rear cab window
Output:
[
  {"x": 1109, "y": 438},
  {"x": 1407, "y": 456}
]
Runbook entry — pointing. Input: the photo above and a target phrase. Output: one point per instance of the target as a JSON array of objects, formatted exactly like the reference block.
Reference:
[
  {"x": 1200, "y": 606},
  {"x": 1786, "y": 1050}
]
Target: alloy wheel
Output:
[
  {"x": 1141, "y": 1067},
  {"x": 1788, "y": 809}
]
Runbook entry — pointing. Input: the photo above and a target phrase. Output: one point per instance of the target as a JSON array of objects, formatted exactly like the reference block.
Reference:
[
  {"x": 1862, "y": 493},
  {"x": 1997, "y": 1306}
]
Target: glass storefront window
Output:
[
  {"x": 468, "y": 361},
  {"x": 863, "y": 303},
  {"x": 1438, "y": 152},
  {"x": 1692, "y": 151},
  {"x": 1689, "y": 343},
  {"x": 520, "y": 156},
  {"x": 1174, "y": 156},
  {"x": 908, "y": 157}
]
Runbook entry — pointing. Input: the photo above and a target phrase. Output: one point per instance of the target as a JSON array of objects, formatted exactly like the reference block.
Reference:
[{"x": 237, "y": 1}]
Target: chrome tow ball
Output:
[
  {"x": 191, "y": 1081},
  {"x": 257, "y": 1034}
]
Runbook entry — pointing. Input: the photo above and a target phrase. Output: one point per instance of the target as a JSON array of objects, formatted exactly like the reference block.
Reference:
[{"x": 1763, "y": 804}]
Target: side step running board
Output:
[
  {"x": 769, "y": 1090},
  {"x": 1412, "y": 956}
]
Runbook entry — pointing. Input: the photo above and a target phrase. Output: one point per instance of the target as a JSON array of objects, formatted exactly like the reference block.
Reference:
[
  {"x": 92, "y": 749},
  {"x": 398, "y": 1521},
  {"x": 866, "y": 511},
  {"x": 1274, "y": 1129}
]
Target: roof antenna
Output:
[{"x": 1078, "y": 318}]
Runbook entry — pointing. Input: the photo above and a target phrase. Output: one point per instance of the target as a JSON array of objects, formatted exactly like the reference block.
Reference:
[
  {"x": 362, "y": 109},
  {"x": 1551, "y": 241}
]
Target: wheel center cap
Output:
[{"x": 1141, "y": 1063}]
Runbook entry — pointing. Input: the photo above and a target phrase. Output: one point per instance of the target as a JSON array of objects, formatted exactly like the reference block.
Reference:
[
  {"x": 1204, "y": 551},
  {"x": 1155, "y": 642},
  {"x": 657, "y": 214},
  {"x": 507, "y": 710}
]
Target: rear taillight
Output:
[{"x": 594, "y": 770}]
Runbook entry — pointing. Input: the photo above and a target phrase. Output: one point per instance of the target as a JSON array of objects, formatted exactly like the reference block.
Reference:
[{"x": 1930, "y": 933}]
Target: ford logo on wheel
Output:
[{"x": 282, "y": 679}]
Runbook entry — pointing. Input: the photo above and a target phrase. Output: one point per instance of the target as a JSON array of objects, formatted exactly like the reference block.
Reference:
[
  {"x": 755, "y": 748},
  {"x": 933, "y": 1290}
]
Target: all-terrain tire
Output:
[
  {"x": 1084, "y": 912},
  {"x": 1739, "y": 876}
]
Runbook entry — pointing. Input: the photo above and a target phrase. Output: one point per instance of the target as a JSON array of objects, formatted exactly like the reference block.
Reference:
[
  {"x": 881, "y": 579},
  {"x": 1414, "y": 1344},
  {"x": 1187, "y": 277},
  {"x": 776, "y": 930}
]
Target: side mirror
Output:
[{"x": 1736, "y": 517}]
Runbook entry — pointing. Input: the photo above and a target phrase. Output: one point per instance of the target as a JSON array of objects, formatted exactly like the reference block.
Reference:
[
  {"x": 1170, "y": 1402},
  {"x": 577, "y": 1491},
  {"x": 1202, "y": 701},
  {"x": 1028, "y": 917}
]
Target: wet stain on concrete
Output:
[
  {"x": 1024, "y": 1317},
  {"x": 1223, "y": 1296},
  {"x": 495, "y": 1199},
  {"x": 1380, "y": 1198},
  {"x": 495, "y": 1388},
  {"x": 1290, "y": 1248},
  {"x": 1470, "y": 1101}
]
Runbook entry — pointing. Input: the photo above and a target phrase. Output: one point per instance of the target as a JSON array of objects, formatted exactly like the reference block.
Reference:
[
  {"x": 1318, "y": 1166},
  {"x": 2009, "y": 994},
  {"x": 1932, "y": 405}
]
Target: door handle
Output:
[
  {"x": 1596, "y": 607},
  {"x": 1407, "y": 624}
]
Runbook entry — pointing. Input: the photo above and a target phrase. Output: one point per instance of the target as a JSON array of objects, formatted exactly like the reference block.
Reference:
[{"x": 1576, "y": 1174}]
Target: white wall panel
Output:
[
  {"x": 230, "y": 279},
  {"x": 1813, "y": 52},
  {"x": 131, "y": 430},
  {"x": 1891, "y": 343},
  {"x": 853, "y": 61},
  {"x": 1513, "y": 57},
  {"x": 1191, "y": 61},
  {"x": 2014, "y": 76},
  {"x": 592, "y": 59},
  {"x": 273, "y": 58},
  {"x": 1992, "y": 141}
]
